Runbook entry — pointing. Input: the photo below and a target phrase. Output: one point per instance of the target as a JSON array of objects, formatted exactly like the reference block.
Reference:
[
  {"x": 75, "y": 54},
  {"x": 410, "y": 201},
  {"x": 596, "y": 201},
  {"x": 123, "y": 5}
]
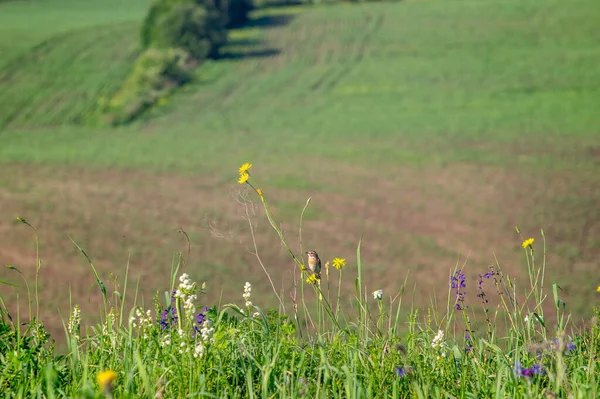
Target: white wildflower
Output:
[
  {"x": 438, "y": 339},
  {"x": 378, "y": 295},
  {"x": 186, "y": 293},
  {"x": 148, "y": 321},
  {"x": 141, "y": 319},
  {"x": 75, "y": 322},
  {"x": 183, "y": 348},
  {"x": 184, "y": 279},
  {"x": 166, "y": 341},
  {"x": 189, "y": 306},
  {"x": 207, "y": 331},
  {"x": 110, "y": 322},
  {"x": 132, "y": 322},
  {"x": 247, "y": 293},
  {"x": 199, "y": 350}
]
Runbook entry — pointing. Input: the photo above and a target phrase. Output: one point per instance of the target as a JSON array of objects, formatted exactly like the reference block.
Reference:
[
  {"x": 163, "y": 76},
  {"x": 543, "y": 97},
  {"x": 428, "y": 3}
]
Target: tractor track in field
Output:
[
  {"x": 330, "y": 79},
  {"x": 32, "y": 106},
  {"x": 337, "y": 60}
]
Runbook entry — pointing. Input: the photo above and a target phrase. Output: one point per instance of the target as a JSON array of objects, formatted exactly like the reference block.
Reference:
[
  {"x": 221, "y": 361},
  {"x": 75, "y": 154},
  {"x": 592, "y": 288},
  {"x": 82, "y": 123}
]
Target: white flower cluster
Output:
[
  {"x": 184, "y": 348},
  {"x": 186, "y": 292},
  {"x": 439, "y": 343},
  {"x": 185, "y": 341},
  {"x": 140, "y": 319},
  {"x": 532, "y": 319},
  {"x": 108, "y": 327},
  {"x": 206, "y": 336},
  {"x": 438, "y": 339},
  {"x": 378, "y": 295},
  {"x": 247, "y": 291},
  {"x": 75, "y": 321},
  {"x": 199, "y": 350},
  {"x": 110, "y": 322},
  {"x": 207, "y": 331},
  {"x": 166, "y": 340}
]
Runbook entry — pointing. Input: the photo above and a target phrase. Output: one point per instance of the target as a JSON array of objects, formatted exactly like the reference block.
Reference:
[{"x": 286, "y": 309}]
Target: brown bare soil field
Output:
[{"x": 416, "y": 221}]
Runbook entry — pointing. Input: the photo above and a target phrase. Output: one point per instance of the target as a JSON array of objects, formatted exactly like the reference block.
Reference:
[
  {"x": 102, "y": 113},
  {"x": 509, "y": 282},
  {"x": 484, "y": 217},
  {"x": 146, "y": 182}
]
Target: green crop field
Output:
[{"x": 431, "y": 127}]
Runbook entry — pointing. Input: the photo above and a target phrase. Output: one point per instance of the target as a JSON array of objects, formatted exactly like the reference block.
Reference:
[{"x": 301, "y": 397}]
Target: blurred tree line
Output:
[
  {"x": 176, "y": 37},
  {"x": 196, "y": 26}
]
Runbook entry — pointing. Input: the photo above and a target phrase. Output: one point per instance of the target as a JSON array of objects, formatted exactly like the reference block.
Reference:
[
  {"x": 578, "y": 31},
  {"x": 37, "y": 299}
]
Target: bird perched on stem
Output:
[{"x": 314, "y": 263}]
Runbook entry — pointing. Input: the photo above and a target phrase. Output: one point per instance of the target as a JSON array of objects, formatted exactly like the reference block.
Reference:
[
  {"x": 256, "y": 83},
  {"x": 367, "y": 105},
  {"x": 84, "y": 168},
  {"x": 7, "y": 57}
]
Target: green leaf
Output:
[
  {"x": 539, "y": 319},
  {"x": 100, "y": 283},
  {"x": 7, "y": 283},
  {"x": 493, "y": 347},
  {"x": 557, "y": 301}
]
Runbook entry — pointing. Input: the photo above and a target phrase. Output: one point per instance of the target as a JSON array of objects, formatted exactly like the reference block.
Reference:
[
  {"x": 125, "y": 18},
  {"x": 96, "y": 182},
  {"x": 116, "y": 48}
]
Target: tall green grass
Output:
[
  {"x": 181, "y": 346},
  {"x": 60, "y": 56}
]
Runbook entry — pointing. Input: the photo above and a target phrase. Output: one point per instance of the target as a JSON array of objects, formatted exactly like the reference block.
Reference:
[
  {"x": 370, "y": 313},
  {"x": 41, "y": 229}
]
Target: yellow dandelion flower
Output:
[
  {"x": 528, "y": 243},
  {"x": 312, "y": 278},
  {"x": 243, "y": 178},
  {"x": 302, "y": 268},
  {"x": 244, "y": 168},
  {"x": 106, "y": 379},
  {"x": 259, "y": 191},
  {"x": 598, "y": 289},
  {"x": 339, "y": 263}
]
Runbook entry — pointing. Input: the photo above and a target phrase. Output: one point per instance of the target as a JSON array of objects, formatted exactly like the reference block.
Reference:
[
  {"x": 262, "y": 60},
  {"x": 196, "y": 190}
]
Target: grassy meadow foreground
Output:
[
  {"x": 431, "y": 127},
  {"x": 179, "y": 345},
  {"x": 428, "y": 128}
]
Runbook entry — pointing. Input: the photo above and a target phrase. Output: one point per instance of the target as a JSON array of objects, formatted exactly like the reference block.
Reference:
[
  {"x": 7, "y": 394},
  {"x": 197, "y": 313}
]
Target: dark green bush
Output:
[
  {"x": 185, "y": 24},
  {"x": 155, "y": 74},
  {"x": 155, "y": 69},
  {"x": 234, "y": 13},
  {"x": 158, "y": 9}
]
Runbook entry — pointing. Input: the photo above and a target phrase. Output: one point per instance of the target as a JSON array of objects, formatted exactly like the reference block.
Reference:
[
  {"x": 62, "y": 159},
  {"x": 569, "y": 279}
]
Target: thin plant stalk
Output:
[{"x": 38, "y": 266}]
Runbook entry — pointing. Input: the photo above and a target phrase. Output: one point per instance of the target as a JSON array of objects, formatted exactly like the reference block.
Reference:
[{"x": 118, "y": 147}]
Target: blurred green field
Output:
[
  {"x": 432, "y": 127},
  {"x": 60, "y": 55}
]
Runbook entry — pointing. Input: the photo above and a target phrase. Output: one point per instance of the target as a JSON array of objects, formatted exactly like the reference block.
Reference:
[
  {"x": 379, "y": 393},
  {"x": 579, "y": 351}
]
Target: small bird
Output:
[{"x": 314, "y": 263}]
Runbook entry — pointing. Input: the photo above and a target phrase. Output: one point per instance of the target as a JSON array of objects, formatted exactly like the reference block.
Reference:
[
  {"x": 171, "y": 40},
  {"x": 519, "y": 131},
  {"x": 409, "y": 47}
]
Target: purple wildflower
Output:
[
  {"x": 167, "y": 316},
  {"x": 401, "y": 371},
  {"x": 489, "y": 274},
  {"x": 486, "y": 276},
  {"x": 570, "y": 346},
  {"x": 458, "y": 281},
  {"x": 536, "y": 369},
  {"x": 468, "y": 343},
  {"x": 164, "y": 319},
  {"x": 199, "y": 320},
  {"x": 481, "y": 291}
]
